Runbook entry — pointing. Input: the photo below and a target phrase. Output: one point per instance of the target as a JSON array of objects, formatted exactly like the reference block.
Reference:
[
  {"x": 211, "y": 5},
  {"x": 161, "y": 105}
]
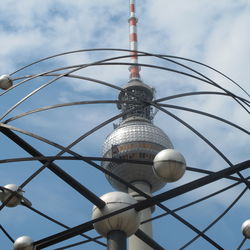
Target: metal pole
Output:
[
  {"x": 54, "y": 168},
  {"x": 117, "y": 240},
  {"x": 87, "y": 226}
]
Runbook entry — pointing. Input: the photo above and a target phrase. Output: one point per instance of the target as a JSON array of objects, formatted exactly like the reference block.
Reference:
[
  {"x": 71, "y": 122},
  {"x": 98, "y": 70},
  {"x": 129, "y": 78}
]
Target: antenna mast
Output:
[{"x": 134, "y": 68}]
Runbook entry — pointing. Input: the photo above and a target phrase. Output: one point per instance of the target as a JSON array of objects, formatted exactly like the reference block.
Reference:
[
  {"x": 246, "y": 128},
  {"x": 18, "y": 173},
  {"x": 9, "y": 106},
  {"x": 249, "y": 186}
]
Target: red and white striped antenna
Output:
[{"x": 134, "y": 69}]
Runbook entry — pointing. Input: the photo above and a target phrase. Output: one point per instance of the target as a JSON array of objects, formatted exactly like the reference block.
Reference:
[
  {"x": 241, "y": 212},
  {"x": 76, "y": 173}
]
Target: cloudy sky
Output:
[{"x": 212, "y": 32}]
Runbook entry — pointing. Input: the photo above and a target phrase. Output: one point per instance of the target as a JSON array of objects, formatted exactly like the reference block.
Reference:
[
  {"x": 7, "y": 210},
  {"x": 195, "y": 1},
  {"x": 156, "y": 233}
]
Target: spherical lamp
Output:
[
  {"x": 5, "y": 82},
  {"x": 246, "y": 229},
  {"x": 169, "y": 165},
  {"x": 127, "y": 222},
  {"x": 8, "y": 191},
  {"x": 23, "y": 243}
]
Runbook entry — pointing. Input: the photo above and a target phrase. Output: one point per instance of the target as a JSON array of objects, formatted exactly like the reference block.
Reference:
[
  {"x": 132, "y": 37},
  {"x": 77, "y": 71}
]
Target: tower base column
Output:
[{"x": 134, "y": 242}]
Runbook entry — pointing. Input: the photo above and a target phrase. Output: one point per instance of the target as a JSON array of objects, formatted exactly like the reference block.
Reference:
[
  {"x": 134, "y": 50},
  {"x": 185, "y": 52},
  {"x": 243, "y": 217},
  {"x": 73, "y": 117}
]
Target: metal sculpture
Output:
[{"x": 138, "y": 157}]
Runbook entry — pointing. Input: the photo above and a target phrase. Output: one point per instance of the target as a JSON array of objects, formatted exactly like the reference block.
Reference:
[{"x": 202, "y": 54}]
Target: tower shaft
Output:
[
  {"x": 135, "y": 138},
  {"x": 134, "y": 242}
]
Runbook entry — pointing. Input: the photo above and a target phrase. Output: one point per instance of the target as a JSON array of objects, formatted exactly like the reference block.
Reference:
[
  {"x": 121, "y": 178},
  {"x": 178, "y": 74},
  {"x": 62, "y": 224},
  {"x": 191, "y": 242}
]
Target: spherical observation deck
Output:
[{"x": 135, "y": 139}]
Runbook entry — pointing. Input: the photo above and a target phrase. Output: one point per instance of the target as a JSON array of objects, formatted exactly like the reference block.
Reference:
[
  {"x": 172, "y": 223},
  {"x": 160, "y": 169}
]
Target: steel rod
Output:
[
  {"x": 193, "y": 185},
  {"x": 77, "y": 243},
  {"x": 209, "y": 81},
  {"x": 141, "y": 235},
  {"x": 186, "y": 223},
  {"x": 193, "y": 202},
  {"x": 55, "y": 169},
  {"x": 6, "y": 233},
  {"x": 216, "y": 220},
  {"x": 140, "y": 53},
  {"x": 95, "y": 158},
  {"x": 241, "y": 244},
  {"x": 64, "y": 235},
  {"x": 63, "y": 225}
]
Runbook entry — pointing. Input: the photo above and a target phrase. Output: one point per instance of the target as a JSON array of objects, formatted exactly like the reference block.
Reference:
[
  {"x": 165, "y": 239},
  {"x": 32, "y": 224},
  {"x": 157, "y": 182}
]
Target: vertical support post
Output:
[
  {"x": 117, "y": 240},
  {"x": 133, "y": 241}
]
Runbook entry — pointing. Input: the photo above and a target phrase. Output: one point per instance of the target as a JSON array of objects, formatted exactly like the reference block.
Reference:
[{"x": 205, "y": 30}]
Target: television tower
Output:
[{"x": 137, "y": 138}]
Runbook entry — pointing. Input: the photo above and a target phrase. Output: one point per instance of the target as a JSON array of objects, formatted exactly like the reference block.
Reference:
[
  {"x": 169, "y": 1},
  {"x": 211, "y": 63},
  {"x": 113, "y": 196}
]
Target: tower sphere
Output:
[
  {"x": 23, "y": 243},
  {"x": 5, "y": 82},
  {"x": 246, "y": 229},
  {"x": 127, "y": 222},
  {"x": 169, "y": 165},
  {"x": 135, "y": 139},
  {"x": 16, "y": 200}
]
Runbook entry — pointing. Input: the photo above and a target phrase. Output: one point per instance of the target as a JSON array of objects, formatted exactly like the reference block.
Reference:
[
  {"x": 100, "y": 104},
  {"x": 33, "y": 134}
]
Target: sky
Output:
[{"x": 215, "y": 33}]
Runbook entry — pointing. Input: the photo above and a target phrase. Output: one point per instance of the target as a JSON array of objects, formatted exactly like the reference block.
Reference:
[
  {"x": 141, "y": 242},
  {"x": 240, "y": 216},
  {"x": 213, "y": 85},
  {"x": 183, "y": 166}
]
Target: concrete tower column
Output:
[{"x": 134, "y": 243}]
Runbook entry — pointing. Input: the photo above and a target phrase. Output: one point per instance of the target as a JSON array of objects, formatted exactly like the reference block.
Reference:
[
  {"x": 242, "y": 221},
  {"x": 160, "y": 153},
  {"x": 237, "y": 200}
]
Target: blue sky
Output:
[{"x": 213, "y": 32}]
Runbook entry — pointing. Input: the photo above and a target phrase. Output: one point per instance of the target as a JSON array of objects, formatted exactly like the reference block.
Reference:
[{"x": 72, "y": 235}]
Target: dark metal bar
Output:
[
  {"x": 160, "y": 205},
  {"x": 192, "y": 185},
  {"x": 192, "y": 227},
  {"x": 193, "y": 202},
  {"x": 209, "y": 81},
  {"x": 171, "y": 97},
  {"x": 241, "y": 244},
  {"x": 78, "y": 243},
  {"x": 206, "y": 114},
  {"x": 203, "y": 138},
  {"x": 179, "y": 218},
  {"x": 245, "y": 101},
  {"x": 176, "y": 216},
  {"x": 183, "y": 221},
  {"x": 207, "y": 172},
  {"x": 117, "y": 240},
  {"x": 140, "y": 53},
  {"x": 145, "y": 65},
  {"x": 63, "y": 225},
  {"x": 216, "y": 220},
  {"x": 55, "y": 169},
  {"x": 6, "y": 233},
  {"x": 45, "y": 108},
  {"x": 195, "y": 132},
  {"x": 56, "y": 238},
  {"x": 90, "y": 158},
  {"x": 167, "y": 112},
  {"x": 144, "y": 237},
  {"x": 59, "y": 237},
  {"x": 140, "y": 234},
  {"x": 94, "y": 158}
]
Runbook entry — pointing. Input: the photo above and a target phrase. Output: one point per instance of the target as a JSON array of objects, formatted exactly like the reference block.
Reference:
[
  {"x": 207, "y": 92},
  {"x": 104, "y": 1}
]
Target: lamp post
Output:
[{"x": 116, "y": 228}]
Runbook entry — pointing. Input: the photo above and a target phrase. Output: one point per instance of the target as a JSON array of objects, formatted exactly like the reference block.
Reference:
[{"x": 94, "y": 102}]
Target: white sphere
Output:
[
  {"x": 127, "y": 222},
  {"x": 5, "y": 82},
  {"x": 23, "y": 243},
  {"x": 16, "y": 200},
  {"x": 246, "y": 229},
  {"x": 169, "y": 165}
]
